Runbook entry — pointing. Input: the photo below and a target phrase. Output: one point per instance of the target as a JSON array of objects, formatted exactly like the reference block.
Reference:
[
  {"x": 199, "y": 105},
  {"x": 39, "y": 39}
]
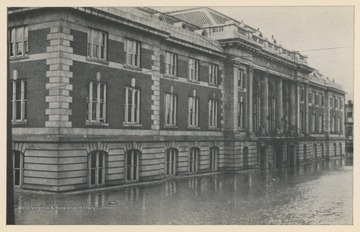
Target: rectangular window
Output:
[
  {"x": 310, "y": 98},
  {"x": 339, "y": 125},
  {"x": 322, "y": 99},
  {"x": 19, "y": 100},
  {"x": 321, "y": 121},
  {"x": 302, "y": 94},
  {"x": 96, "y": 102},
  {"x": 331, "y": 102},
  {"x": 313, "y": 122},
  {"x": 132, "y": 105},
  {"x": 194, "y": 69},
  {"x": 317, "y": 100},
  {"x": 171, "y": 60},
  {"x": 335, "y": 102},
  {"x": 18, "y": 41},
  {"x": 213, "y": 106},
  {"x": 213, "y": 74},
  {"x": 193, "y": 113},
  {"x": 132, "y": 52},
  {"x": 170, "y": 109},
  {"x": 240, "y": 114},
  {"x": 97, "y": 45},
  {"x": 313, "y": 98},
  {"x": 241, "y": 78},
  {"x": 301, "y": 114}
]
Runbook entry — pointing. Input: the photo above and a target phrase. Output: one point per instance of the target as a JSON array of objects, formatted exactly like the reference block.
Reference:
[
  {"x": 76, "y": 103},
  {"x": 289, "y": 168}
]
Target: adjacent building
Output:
[
  {"x": 105, "y": 96},
  {"x": 349, "y": 125}
]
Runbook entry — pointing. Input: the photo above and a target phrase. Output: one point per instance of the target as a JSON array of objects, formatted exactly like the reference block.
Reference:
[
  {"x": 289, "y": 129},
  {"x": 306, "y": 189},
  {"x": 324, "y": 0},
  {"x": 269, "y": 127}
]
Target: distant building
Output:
[
  {"x": 349, "y": 125},
  {"x": 105, "y": 96}
]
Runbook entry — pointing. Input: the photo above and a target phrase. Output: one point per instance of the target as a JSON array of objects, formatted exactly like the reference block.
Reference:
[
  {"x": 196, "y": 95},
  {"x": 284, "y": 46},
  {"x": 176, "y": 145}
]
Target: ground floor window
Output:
[
  {"x": 305, "y": 155},
  {"x": 214, "y": 153},
  {"x": 132, "y": 165},
  {"x": 334, "y": 149},
  {"x": 322, "y": 150},
  {"x": 315, "y": 150},
  {"x": 194, "y": 159},
  {"x": 340, "y": 149},
  {"x": 97, "y": 168},
  {"x": 170, "y": 162},
  {"x": 246, "y": 156},
  {"x": 18, "y": 166}
]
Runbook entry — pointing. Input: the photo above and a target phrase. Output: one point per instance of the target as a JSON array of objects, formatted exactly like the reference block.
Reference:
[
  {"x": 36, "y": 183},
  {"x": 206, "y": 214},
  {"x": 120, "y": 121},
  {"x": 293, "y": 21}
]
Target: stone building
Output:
[
  {"x": 349, "y": 128},
  {"x": 108, "y": 96}
]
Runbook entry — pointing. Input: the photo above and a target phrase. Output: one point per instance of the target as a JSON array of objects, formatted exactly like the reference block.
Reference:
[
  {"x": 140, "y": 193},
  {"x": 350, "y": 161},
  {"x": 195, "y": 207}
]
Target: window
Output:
[
  {"x": 170, "y": 162},
  {"x": 193, "y": 113},
  {"x": 322, "y": 99},
  {"x": 18, "y": 167},
  {"x": 194, "y": 160},
  {"x": 96, "y": 102},
  {"x": 19, "y": 100},
  {"x": 97, "y": 168},
  {"x": 322, "y": 150},
  {"x": 302, "y": 117},
  {"x": 18, "y": 46},
  {"x": 132, "y": 105},
  {"x": 241, "y": 78},
  {"x": 339, "y": 129},
  {"x": 97, "y": 45},
  {"x": 170, "y": 109},
  {"x": 132, "y": 165},
  {"x": 315, "y": 150},
  {"x": 246, "y": 156},
  {"x": 341, "y": 103},
  {"x": 310, "y": 98},
  {"x": 213, "y": 74},
  {"x": 317, "y": 100},
  {"x": 321, "y": 121},
  {"x": 240, "y": 115},
  {"x": 340, "y": 149},
  {"x": 171, "y": 63},
  {"x": 194, "y": 69},
  {"x": 331, "y": 102},
  {"x": 213, "y": 106},
  {"x": 302, "y": 94},
  {"x": 335, "y": 102},
  {"x": 132, "y": 52},
  {"x": 334, "y": 147},
  {"x": 214, "y": 152},
  {"x": 313, "y": 122},
  {"x": 313, "y": 97}
]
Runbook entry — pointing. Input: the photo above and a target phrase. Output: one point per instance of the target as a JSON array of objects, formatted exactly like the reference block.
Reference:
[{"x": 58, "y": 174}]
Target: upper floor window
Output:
[
  {"x": 170, "y": 109},
  {"x": 213, "y": 106},
  {"x": 302, "y": 94},
  {"x": 331, "y": 102},
  {"x": 310, "y": 98},
  {"x": 322, "y": 99},
  {"x": 132, "y": 52},
  {"x": 193, "y": 113},
  {"x": 317, "y": 99},
  {"x": 241, "y": 113},
  {"x": 341, "y": 103},
  {"x": 194, "y": 69},
  {"x": 241, "y": 78},
  {"x": 18, "y": 99},
  {"x": 97, "y": 45},
  {"x": 213, "y": 74},
  {"x": 171, "y": 60},
  {"x": 313, "y": 98},
  {"x": 96, "y": 102},
  {"x": 18, "y": 41},
  {"x": 335, "y": 102},
  {"x": 132, "y": 104}
]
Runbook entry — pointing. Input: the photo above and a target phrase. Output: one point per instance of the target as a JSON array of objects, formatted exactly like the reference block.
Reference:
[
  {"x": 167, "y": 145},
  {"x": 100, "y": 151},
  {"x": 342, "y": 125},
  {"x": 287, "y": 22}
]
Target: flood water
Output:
[{"x": 313, "y": 193}]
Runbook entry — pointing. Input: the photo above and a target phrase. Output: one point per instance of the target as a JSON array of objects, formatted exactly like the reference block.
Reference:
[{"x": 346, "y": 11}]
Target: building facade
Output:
[
  {"x": 108, "y": 96},
  {"x": 349, "y": 127}
]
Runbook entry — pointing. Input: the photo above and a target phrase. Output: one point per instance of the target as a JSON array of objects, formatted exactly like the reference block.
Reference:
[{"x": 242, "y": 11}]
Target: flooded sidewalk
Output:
[{"x": 319, "y": 192}]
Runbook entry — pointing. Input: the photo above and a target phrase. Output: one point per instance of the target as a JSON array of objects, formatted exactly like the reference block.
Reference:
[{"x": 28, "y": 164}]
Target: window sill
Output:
[
  {"x": 170, "y": 127},
  {"x": 127, "y": 66},
  {"x": 170, "y": 76},
  {"x": 128, "y": 124},
  {"x": 214, "y": 85},
  {"x": 242, "y": 89},
  {"x": 193, "y": 81},
  {"x": 193, "y": 127},
  {"x": 19, "y": 122},
  {"x": 214, "y": 128},
  {"x": 88, "y": 123},
  {"x": 97, "y": 60},
  {"x": 19, "y": 57}
]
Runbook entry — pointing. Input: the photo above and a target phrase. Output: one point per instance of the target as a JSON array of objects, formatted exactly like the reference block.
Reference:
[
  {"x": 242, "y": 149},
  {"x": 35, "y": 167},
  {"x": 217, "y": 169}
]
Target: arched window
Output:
[
  {"x": 305, "y": 152},
  {"x": 246, "y": 156},
  {"x": 322, "y": 150},
  {"x": 132, "y": 165},
  {"x": 18, "y": 168},
  {"x": 340, "y": 149},
  {"x": 334, "y": 149},
  {"x": 170, "y": 162},
  {"x": 315, "y": 151},
  {"x": 96, "y": 164},
  {"x": 194, "y": 159},
  {"x": 214, "y": 154}
]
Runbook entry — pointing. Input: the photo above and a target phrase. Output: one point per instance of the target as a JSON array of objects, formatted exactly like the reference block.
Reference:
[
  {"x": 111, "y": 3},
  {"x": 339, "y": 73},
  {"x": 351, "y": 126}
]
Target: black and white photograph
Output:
[{"x": 180, "y": 115}]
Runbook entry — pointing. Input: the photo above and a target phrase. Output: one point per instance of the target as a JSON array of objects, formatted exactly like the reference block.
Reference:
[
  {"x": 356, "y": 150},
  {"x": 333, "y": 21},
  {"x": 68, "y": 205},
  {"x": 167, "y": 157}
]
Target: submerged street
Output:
[{"x": 318, "y": 192}]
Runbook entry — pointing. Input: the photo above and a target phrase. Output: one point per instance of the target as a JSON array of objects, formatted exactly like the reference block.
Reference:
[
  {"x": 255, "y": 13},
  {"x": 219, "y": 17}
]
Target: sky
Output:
[{"x": 306, "y": 29}]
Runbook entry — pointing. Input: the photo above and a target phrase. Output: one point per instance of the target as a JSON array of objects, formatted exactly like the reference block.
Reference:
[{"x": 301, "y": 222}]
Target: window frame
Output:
[
  {"x": 171, "y": 157},
  {"x": 134, "y": 165},
  {"x": 193, "y": 111},
  {"x": 22, "y": 101},
  {"x": 99, "y": 102},
  {"x": 170, "y": 101},
  {"x": 20, "y": 169},
  {"x": 213, "y": 113},
  {"x": 213, "y": 158},
  {"x": 102, "y": 36},
  {"x": 240, "y": 114},
  {"x": 98, "y": 180},
  {"x": 171, "y": 63},
  {"x": 128, "y": 108},
  {"x": 241, "y": 78},
  {"x": 134, "y": 53},
  {"x": 194, "y": 69},
  {"x": 194, "y": 160},
  {"x": 214, "y": 74},
  {"x": 14, "y": 40}
]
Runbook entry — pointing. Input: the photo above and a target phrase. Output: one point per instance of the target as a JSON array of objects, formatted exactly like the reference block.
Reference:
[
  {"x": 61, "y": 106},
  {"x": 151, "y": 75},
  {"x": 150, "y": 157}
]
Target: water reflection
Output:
[{"x": 318, "y": 192}]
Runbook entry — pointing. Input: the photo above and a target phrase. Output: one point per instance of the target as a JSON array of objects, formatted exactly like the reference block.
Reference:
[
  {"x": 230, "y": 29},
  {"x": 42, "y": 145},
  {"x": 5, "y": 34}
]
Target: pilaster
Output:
[{"x": 155, "y": 87}]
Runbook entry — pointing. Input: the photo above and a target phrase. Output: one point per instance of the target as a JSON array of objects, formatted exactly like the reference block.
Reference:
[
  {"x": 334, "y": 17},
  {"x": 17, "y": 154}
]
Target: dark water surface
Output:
[{"x": 314, "y": 193}]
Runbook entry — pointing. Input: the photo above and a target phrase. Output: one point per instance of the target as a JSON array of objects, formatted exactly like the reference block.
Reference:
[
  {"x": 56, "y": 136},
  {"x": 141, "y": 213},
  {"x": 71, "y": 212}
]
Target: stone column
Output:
[
  {"x": 279, "y": 103},
  {"x": 250, "y": 100},
  {"x": 264, "y": 102}
]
